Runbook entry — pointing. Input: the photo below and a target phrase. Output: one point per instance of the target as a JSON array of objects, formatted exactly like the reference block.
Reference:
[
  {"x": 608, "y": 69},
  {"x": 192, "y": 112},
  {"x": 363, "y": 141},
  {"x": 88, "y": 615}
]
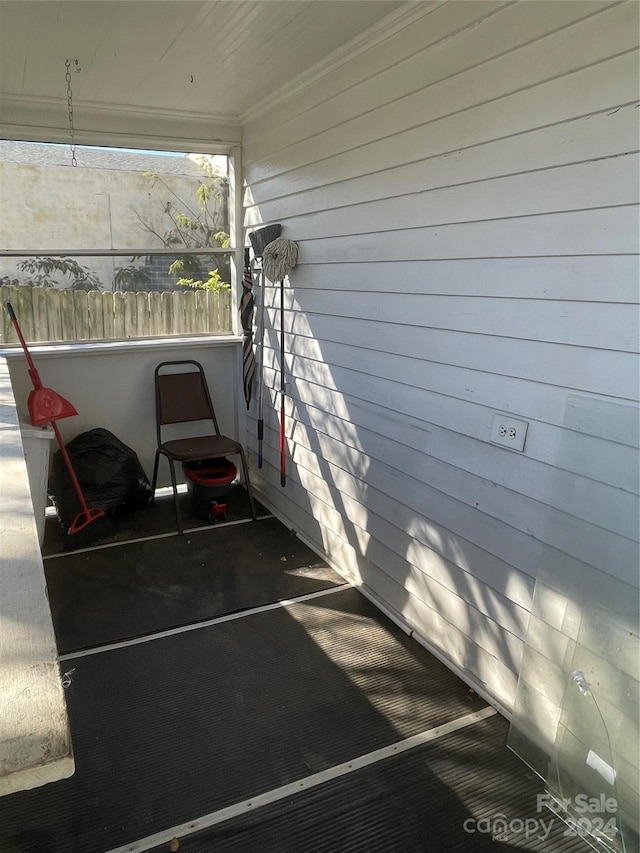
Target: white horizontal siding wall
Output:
[{"x": 464, "y": 198}]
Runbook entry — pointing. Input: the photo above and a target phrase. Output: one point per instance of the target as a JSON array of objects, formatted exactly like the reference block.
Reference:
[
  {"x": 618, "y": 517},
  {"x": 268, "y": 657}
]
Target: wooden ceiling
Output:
[{"x": 220, "y": 58}]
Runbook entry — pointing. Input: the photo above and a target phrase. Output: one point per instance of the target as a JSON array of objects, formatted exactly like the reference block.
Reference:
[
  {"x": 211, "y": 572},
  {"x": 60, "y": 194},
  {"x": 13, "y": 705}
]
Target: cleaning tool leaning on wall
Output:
[
  {"x": 260, "y": 239},
  {"x": 278, "y": 259}
]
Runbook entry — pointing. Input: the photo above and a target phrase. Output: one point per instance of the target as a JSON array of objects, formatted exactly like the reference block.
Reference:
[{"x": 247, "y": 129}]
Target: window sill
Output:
[{"x": 83, "y": 348}]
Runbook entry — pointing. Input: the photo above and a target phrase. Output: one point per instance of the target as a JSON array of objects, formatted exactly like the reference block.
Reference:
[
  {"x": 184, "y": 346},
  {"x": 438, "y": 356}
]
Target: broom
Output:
[
  {"x": 278, "y": 259},
  {"x": 46, "y": 406}
]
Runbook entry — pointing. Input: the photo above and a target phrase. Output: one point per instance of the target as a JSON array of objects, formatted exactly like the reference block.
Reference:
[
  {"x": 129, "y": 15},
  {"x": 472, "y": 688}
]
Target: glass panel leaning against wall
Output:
[{"x": 128, "y": 244}]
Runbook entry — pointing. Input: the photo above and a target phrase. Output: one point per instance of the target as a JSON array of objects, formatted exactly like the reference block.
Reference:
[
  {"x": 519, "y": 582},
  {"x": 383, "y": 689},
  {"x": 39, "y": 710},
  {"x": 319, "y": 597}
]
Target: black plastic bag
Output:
[{"x": 109, "y": 472}]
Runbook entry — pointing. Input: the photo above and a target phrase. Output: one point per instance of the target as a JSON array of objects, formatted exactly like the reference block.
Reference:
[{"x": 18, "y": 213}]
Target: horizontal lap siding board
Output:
[
  {"x": 597, "y": 183},
  {"x": 583, "y": 232},
  {"x": 578, "y": 368},
  {"x": 599, "y": 325},
  {"x": 480, "y": 383},
  {"x": 611, "y": 133},
  {"x": 596, "y": 279},
  {"x": 573, "y": 50},
  {"x": 465, "y": 44},
  {"x": 474, "y": 570},
  {"x": 575, "y": 489},
  {"x": 464, "y": 197},
  {"x": 410, "y": 475},
  {"x": 583, "y": 100}
]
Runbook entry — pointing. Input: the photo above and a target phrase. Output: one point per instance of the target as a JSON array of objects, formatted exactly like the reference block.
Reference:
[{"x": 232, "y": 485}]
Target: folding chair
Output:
[{"x": 182, "y": 396}]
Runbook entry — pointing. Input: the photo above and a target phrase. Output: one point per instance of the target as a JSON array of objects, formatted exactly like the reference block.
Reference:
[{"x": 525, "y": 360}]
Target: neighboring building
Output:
[{"x": 107, "y": 202}]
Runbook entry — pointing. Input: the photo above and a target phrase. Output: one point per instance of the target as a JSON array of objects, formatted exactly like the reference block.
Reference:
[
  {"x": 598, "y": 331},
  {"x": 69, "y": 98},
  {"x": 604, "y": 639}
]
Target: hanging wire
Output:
[{"x": 72, "y": 131}]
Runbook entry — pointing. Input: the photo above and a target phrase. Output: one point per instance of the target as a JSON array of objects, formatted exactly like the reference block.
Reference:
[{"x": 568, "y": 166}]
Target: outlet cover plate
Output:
[{"x": 509, "y": 432}]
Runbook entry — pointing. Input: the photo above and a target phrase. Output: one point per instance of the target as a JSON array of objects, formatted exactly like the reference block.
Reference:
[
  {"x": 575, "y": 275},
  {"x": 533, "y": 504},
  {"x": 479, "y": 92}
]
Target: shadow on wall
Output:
[
  {"x": 386, "y": 509},
  {"x": 372, "y": 517},
  {"x": 375, "y": 520}
]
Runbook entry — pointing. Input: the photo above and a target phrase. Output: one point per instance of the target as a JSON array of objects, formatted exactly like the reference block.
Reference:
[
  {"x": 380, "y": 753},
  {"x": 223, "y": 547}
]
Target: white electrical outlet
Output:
[{"x": 509, "y": 432}]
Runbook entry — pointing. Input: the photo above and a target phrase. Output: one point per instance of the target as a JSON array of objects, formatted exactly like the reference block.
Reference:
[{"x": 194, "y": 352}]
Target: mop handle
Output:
[
  {"x": 33, "y": 373},
  {"x": 283, "y": 388},
  {"x": 260, "y": 437},
  {"x": 283, "y": 447},
  {"x": 261, "y": 366}
]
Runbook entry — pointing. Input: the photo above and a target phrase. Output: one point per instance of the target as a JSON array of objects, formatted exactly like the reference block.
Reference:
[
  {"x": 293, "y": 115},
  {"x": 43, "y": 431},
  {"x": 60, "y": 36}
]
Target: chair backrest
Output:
[{"x": 182, "y": 396}]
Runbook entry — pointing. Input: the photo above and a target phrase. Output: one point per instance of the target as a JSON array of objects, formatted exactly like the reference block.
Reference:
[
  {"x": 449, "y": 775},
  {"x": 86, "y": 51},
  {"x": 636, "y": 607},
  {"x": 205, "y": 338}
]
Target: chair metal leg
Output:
[
  {"x": 155, "y": 476},
  {"x": 247, "y": 483},
  {"x": 175, "y": 495}
]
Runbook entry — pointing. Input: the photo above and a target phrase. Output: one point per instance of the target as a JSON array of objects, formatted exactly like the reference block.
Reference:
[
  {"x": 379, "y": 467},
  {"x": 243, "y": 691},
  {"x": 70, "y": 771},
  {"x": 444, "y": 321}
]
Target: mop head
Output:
[{"x": 279, "y": 258}]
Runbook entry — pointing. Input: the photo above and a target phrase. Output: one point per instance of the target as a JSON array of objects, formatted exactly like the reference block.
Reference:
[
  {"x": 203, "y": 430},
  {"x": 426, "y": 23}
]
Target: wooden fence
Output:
[{"x": 47, "y": 314}]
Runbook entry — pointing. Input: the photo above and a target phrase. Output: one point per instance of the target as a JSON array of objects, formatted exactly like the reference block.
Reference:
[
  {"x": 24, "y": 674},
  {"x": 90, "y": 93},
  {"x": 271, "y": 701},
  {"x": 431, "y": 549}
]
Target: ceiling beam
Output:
[{"x": 46, "y": 120}]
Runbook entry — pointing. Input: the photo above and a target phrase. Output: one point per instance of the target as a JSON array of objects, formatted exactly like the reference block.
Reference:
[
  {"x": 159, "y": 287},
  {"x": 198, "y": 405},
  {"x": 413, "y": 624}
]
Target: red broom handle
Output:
[{"x": 70, "y": 468}]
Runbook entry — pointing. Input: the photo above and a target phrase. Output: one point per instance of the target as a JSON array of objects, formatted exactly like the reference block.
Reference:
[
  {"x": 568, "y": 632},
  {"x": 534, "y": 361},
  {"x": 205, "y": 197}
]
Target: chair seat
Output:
[{"x": 200, "y": 447}]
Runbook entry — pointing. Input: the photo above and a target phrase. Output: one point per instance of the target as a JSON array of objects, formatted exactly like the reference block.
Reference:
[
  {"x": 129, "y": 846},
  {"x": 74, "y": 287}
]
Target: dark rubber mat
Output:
[
  {"x": 171, "y": 729},
  {"x": 465, "y": 791},
  {"x": 158, "y": 517},
  {"x": 109, "y": 594}
]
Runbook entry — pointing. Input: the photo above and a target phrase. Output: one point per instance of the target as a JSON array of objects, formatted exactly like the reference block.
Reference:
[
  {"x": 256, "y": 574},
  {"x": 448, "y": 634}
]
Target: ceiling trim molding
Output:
[
  {"x": 393, "y": 23},
  {"x": 46, "y": 120}
]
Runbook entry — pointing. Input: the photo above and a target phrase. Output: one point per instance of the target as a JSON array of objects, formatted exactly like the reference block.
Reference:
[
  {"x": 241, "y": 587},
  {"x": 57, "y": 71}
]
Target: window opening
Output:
[{"x": 127, "y": 244}]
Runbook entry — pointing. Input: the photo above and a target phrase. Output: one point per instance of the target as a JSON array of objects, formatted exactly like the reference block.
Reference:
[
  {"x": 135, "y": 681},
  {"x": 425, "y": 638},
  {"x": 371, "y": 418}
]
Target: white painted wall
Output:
[
  {"x": 463, "y": 194},
  {"x": 112, "y": 386}
]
